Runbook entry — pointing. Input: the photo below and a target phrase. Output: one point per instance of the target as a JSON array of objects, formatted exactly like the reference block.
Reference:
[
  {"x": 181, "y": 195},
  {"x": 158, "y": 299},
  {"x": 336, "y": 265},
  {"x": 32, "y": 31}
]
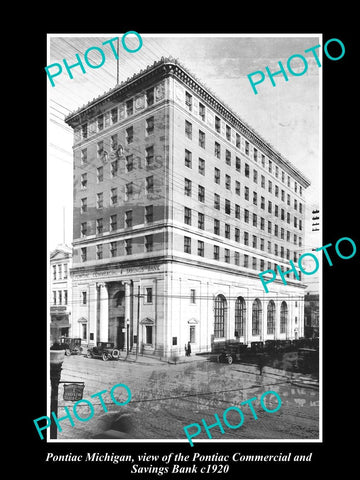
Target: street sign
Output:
[{"x": 73, "y": 391}]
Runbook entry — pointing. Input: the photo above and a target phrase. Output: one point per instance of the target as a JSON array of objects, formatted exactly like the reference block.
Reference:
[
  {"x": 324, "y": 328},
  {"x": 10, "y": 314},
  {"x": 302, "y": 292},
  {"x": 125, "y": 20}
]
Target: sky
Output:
[{"x": 288, "y": 115}]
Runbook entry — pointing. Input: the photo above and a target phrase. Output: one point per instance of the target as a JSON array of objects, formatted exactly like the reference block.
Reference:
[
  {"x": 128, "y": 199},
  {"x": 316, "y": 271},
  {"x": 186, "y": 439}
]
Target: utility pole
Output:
[{"x": 138, "y": 323}]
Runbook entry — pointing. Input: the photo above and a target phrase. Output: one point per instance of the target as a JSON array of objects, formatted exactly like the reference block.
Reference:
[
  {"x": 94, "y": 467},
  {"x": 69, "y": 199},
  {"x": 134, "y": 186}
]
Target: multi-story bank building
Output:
[{"x": 178, "y": 205}]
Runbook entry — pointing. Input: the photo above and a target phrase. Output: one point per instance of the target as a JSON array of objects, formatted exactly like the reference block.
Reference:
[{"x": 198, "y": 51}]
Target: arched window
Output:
[
  {"x": 220, "y": 316},
  {"x": 283, "y": 317},
  {"x": 256, "y": 317},
  {"x": 119, "y": 298},
  {"x": 271, "y": 317},
  {"x": 240, "y": 316}
]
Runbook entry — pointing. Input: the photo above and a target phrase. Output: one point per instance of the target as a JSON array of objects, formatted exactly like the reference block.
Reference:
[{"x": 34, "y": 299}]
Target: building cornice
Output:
[{"x": 166, "y": 67}]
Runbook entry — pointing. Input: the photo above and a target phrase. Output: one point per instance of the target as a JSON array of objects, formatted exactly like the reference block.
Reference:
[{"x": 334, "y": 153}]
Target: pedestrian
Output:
[
  {"x": 186, "y": 351},
  {"x": 189, "y": 349}
]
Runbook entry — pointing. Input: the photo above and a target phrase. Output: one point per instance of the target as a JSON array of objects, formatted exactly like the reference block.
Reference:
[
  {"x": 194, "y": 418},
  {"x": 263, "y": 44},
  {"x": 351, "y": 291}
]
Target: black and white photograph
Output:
[{"x": 186, "y": 250}]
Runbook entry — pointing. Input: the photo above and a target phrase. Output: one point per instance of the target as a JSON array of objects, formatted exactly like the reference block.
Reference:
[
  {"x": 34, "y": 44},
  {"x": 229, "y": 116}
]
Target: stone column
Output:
[
  {"x": 277, "y": 319},
  {"x": 104, "y": 312}
]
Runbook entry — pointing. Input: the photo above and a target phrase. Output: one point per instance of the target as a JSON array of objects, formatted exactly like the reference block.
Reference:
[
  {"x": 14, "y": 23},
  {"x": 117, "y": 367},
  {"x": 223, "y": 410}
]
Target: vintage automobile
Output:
[
  {"x": 232, "y": 352},
  {"x": 72, "y": 346},
  {"x": 104, "y": 350},
  {"x": 307, "y": 360}
]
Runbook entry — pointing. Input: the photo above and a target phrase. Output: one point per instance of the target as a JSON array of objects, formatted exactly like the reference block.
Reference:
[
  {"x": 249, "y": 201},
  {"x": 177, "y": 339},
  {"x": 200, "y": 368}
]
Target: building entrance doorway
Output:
[{"x": 120, "y": 335}]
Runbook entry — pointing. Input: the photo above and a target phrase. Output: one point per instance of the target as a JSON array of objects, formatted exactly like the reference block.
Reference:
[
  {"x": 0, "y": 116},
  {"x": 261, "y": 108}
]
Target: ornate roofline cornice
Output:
[{"x": 172, "y": 67}]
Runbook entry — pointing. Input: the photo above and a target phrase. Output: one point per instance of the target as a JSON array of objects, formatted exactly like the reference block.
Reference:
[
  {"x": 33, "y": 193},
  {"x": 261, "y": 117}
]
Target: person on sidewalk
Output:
[{"x": 188, "y": 349}]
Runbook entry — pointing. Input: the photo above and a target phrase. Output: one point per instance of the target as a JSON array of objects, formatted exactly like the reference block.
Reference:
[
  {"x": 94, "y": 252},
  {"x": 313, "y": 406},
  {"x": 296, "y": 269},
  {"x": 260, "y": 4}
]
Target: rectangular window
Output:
[
  {"x": 216, "y": 252},
  {"x": 216, "y": 226},
  {"x": 113, "y": 249},
  {"x": 187, "y": 216},
  {"x": 262, "y": 181},
  {"x": 227, "y": 207},
  {"x": 270, "y": 186},
  {"x": 129, "y": 190},
  {"x": 129, "y": 135},
  {"x": 262, "y": 203},
  {"x": 201, "y": 221},
  {"x": 149, "y": 185},
  {"x": 246, "y": 215},
  {"x": 276, "y": 211},
  {"x": 149, "y": 243},
  {"x": 262, "y": 223},
  {"x": 201, "y": 194},
  {"x": 217, "y": 176},
  {"x": 114, "y": 141},
  {"x": 254, "y": 241},
  {"x": 54, "y": 272},
  {"x": 247, "y": 170},
  {"x": 288, "y": 217},
  {"x": 100, "y": 122},
  {"x": 237, "y": 164},
  {"x": 84, "y": 298},
  {"x": 216, "y": 201},
  {"x": 282, "y": 234},
  {"x": 113, "y": 196},
  {"x": 149, "y": 214},
  {"x": 201, "y": 139},
  {"x": 254, "y": 263},
  {"x": 100, "y": 149},
  {"x": 66, "y": 269},
  {"x": 246, "y": 193},
  {"x": 99, "y": 252},
  {"x": 100, "y": 200},
  {"x": 227, "y": 255},
  {"x": 228, "y": 132},
  {"x": 114, "y": 168},
  {"x": 254, "y": 198},
  {"x": 217, "y": 150},
  {"x": 263, "y": 160},
  {"x": 128, "y": 246},
  {"x": 270, "y": 166},
  {"x": 254, "y": 220},
  {"x": 128, "y": 218},
  {"x": 237, "y": 258},
  {"x": 237, "y": 187},
  {"x": 269, "y": 206},
  {"x": 262, "y": 244},
  {"x": 282, "y": 195},
  {"x": 150, "y": 97},
  {"x": 114, "y": 115},
  {"x": 129, "y": 163},
  {"x": 149, "y": 126},
  {"x": 217, "y": 124},
  {"x": 227, "y": 157},
  {"x": 255, "y": 154},
  {"x": 246, "y": 147},
  {"x": 237, "y": 235},
  {"x": 149, "y": 156},
  {"x": 227, "y": 230},
  {"x": 202, "y": 111},
  {"x": 130, "y": 107},
  {"x": 187, "y": 244},
  {"x": 246, "y": 238},
  {"x": 238, "y": 140},
  {"x": 188, "y": 129},
  {"x": 99, "y": 226},
  {"x": 188, "y": 100},
  {"x": 201, "y": 166},
  {"x": 276, "y": 230},
  {"x": 65, "y": 297},
  {"x": 288, "y": 199},
  {"x": 227, "y": 182},
  {"x": 83, "y": 181},
  {"x": 188, "y": 159},
  {"x": 237, "y": 211},
  {"x": 113, "y": 223},
  {"x": 200, "y": 248},
  {"x": 246, "y": 261},
  {"x": 99, "y": 174},
  {"x": 84, "y": 130},
  {"x": 269, "y": 227},
  {"x": 83, "y": 207},
  {"x": 83, "y": 158},
  {"x": 187, "y": 187},
  {"x": 255, "y": 176}
]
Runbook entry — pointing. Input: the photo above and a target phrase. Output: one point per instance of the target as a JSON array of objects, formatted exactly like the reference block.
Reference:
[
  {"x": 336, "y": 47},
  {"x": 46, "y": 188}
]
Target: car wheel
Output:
[
  {"x": 67, "y": 352},
  {"x": 105, "y": 356},
  {"x": 230, "y": 359}
]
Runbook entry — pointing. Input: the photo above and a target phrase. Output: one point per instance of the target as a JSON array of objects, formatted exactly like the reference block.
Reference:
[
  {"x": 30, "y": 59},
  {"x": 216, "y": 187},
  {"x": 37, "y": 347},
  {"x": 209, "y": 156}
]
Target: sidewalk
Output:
[{"x": 152, "y": 359}]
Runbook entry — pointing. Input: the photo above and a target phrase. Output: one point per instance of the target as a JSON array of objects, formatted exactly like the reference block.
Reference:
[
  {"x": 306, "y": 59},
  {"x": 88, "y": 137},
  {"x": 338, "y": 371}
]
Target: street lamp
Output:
[{"x": 56, "y": 361}]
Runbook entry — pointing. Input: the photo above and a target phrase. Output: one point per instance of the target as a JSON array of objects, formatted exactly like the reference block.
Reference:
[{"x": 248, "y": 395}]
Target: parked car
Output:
[
  {"x": 72, "y": 346},
  {"x": 104, "y": 350},
  {"x": 307, "y": 360},
  {"x": 232, "y": 351}
]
